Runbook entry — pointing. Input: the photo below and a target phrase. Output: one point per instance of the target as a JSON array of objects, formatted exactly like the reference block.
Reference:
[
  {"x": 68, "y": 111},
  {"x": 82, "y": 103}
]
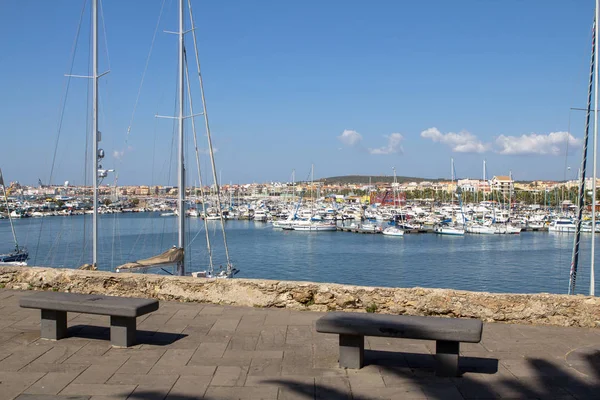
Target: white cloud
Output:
[
  {"x": 118, "y": 154},
  {"x": 553, "y": 143},
  {"x": 461, "y": 142},
  {"x": 394, "y": 145},
  {"x": 350, "y": 137}
]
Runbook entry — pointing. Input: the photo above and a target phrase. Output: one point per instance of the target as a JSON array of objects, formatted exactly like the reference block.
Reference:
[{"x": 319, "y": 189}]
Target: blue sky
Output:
[{"x": 349, "y": 86}]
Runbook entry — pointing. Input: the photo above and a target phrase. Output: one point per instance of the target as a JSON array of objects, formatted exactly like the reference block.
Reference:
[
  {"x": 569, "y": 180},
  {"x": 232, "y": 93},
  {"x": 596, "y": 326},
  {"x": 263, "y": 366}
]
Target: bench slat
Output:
[
  {"x": 89, "y": 304},
  {"x": 401, "y": 326}
]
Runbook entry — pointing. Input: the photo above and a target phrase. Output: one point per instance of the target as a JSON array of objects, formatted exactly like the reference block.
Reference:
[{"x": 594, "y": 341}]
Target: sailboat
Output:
[
  {"x": 311, "y": 224},
  {"x": 176, "y": 255},
  {"x": 20, "y": 255},
  {"x": 455, "y": 229}
]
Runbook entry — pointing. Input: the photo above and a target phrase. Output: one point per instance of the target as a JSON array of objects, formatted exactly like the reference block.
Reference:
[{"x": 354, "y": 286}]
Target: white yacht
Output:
[
  {"x": 260, "y": 215},
  {"x": 393, "y": 231},
  {"x": 480, "y": 229},
  {"x": 449, "y": 230},
  {"x": 562, "y": 225}
]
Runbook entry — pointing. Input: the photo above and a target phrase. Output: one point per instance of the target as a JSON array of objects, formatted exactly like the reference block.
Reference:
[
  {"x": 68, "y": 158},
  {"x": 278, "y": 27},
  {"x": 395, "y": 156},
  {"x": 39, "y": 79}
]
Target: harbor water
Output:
[{"x": 531, "y": 262}]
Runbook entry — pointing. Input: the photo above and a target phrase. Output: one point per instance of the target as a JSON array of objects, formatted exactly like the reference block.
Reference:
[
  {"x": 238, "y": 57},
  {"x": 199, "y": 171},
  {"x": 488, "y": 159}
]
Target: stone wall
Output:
[{"x": 545, "y": 309}]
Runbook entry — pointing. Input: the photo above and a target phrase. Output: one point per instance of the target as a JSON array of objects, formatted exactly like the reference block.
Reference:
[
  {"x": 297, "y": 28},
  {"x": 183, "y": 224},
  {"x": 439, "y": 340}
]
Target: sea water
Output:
[{"x": 530, "y": 262}]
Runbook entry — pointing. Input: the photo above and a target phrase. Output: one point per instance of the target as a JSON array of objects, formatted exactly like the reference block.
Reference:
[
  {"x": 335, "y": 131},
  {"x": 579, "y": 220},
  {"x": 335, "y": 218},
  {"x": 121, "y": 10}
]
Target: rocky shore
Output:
[{"x": 540, "y": 309}]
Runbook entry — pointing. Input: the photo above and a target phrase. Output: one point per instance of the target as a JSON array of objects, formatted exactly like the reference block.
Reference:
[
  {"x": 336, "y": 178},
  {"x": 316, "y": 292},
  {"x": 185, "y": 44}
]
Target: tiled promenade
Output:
[{"x": 192, "y": 351}]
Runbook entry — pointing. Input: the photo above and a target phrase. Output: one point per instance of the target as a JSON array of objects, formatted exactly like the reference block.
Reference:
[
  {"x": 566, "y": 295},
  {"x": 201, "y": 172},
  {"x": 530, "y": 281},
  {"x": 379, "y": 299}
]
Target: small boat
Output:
[
  {"x": 565, "y": 225},
  {"x": 311, "y": 226},
  {"x": 370, "y": 228},
  {"x": 480, "y": 229},
  {"x": 393, "y": 231},
  {"x": 445, "y": 229},
  {"x": 20, "y": 255}
]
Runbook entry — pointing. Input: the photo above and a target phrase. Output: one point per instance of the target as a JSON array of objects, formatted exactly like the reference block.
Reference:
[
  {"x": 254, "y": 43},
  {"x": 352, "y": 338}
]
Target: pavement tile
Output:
[
  {"x": 184, "y": 370},
  {"x": 26, "y": 396},
  {"x": 56, "y": 368},
  {"x": 58, "y": 354},
  {"x": 211, "y": 309},
  {"x": 229, "y": 376},
  {"x": 97, "y": 373},
  {"x": 244, "y": 341},
  {"x": 176, "y": 357},
  {"x": 272, "y": 338},
  {"x": 141, "y": 361},
  {"x": 92, "y": 389},
  {"x": 301, "y": 334},
  {"x": 188, "y": 312},
  {"x": 265, "y": 366},
  {"x": 250, "y": 393},
  {"x": 364, "y": 380},
  {"x": 224, "y": 324},
  {"x": 175, "y": 325},
  {"x": 243, "y": 354},
  {"x": 189, "y": 387},
  {"x": 23, "y": 356},
  {"x": 214, "y": 361},
  {"x": 277, "y": 318},
  {"x": 332, "y": 388},
  {"x": 392, "y": 393},
  {"x": 143, "y": 379},
  {"x": 14, "y": 383},
  {"x": 52, "y": 383},
  {"x": 209, "y": 350}
]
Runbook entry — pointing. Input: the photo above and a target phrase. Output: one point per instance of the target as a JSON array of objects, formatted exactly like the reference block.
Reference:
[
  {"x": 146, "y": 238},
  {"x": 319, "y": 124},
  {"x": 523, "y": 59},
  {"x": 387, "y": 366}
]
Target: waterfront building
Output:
[{"x": 503, "y": 184}]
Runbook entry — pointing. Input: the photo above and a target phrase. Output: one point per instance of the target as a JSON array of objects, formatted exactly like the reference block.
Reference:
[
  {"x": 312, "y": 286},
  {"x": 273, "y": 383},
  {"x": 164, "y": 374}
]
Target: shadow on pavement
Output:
[
  {"x": 544, "y": 380},
  {"x": 143, "y": 337}
]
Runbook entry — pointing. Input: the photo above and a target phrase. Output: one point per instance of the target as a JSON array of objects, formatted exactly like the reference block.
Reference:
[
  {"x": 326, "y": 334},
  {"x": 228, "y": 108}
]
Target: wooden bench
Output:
[
  {"x": 123, "y": 312},
  {"x": 447, "y": 332}
]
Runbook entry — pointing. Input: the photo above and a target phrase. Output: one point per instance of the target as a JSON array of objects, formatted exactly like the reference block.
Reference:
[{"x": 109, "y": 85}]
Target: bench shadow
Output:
[
  {"x": 397, "y": 359},
  {"x": 142, "y": 336}
]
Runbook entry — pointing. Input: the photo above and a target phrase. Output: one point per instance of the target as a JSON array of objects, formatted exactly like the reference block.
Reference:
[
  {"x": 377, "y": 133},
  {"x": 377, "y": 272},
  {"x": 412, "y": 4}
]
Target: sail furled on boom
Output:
[{"x": 172, "y": 256}]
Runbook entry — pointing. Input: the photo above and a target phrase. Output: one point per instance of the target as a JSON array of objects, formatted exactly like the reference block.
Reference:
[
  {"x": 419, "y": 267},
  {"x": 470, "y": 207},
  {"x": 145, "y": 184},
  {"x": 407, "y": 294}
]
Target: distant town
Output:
[{"x": 379, "y": 190}]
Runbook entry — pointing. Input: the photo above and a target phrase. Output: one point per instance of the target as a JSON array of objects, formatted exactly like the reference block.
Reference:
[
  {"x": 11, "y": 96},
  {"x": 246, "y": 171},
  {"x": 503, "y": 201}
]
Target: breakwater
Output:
[{"x": 541, "y": 309}]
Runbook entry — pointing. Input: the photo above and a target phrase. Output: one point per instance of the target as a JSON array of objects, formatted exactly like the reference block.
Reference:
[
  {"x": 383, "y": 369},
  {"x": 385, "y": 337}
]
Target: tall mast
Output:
[
  {"x": 582, "y": 175},
  {"x": 95, "y": 138},
  {"x": 181, "y": 170},
  {"x": 592, "y": 277},
  {"x": 484, "y": 175}
]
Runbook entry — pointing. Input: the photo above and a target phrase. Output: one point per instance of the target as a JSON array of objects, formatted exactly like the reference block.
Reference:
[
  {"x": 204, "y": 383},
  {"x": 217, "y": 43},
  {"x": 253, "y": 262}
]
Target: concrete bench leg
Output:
[
  {"x": 54, "y": 324},
  {"x": 352, "y": 350},
  {"x": 122, "y": 331},
  {"x": 446, "y": 358}
]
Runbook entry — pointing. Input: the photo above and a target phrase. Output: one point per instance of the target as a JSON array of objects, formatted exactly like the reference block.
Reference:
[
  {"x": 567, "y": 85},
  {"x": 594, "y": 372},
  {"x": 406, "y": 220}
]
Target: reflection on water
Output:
[{"x": 529, "y": 262}]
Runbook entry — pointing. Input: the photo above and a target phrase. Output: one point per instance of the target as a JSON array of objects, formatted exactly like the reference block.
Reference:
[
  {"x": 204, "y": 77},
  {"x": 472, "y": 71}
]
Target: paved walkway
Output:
[{"x": 192, "y": 351}]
